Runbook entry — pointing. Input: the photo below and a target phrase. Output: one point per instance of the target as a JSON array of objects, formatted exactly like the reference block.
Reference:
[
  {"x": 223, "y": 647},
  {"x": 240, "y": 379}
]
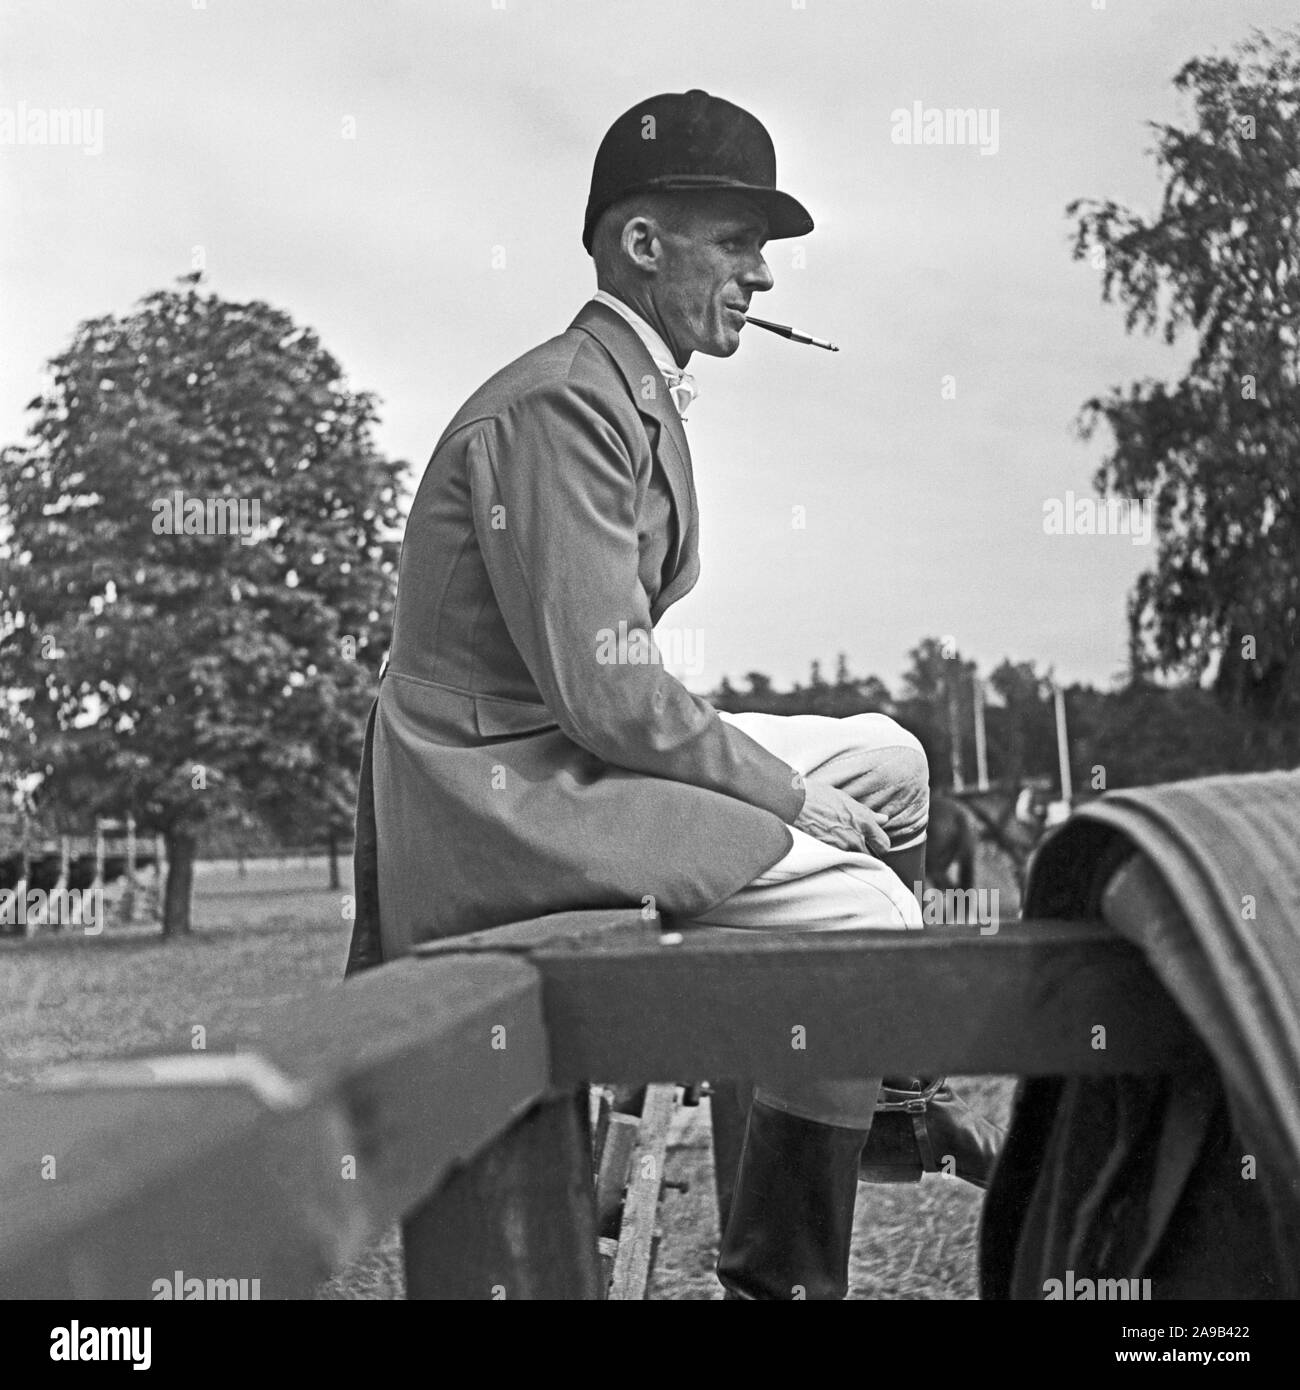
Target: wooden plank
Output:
[
  {"x": 556, "y": 928},
  {"x": 636, "y": 1234},
  {"x": 598, "y": 1112},
  {"x": 611, "y": 1175},
  {"x": 1024, "y": 1001},
  {"x": 103, "y": 1194},
  {"x": 608, "y": 1250},
  {"x": 389, "y": 1082},
  {"x": 516, "y": 1222}
]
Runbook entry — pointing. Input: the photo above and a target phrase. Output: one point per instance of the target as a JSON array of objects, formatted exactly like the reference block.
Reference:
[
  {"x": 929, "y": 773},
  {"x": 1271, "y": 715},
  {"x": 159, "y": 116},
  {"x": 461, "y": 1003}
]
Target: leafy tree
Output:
[
  {"x": 759, "y": 684},
  {"x": 1216, "y": 454},
  {"x": 873, "y": 695},
  {"x": 192, "y": 675},
  {"x": 1022, "y": 729},
  {"x": 1148, "y": 733},
  {"x": 926, "y": 679},
  {"x": 936, "y": 696}
]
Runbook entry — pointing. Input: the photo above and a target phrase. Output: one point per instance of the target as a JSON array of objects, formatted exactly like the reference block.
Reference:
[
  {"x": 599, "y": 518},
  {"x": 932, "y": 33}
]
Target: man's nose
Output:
[{"x": 757, "y": 276}]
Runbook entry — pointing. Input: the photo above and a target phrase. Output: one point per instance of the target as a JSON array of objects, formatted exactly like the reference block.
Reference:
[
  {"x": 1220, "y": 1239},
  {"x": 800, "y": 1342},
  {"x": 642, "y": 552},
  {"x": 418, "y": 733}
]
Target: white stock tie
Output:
[{"x": 682, "y": 387}]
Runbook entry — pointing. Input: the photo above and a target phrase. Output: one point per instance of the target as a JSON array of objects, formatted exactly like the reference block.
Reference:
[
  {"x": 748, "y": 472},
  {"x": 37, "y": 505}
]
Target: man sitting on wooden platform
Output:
[{"x": 532, "y": 754}]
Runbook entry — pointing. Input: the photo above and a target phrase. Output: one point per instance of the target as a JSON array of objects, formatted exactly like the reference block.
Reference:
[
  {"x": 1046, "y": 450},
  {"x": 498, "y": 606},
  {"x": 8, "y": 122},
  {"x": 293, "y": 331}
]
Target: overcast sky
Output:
[{"x": 369, "y": 166}]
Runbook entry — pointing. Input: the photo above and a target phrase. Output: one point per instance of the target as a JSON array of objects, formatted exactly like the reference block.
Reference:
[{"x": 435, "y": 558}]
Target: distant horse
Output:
[
  {"x": 1010, "y": 818},
  {"x": 950, "y": 844}
]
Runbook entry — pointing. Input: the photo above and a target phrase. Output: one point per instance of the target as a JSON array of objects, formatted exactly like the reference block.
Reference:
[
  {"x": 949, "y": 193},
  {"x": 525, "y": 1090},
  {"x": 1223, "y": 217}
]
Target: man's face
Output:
[{"x": 712, "y": 265}]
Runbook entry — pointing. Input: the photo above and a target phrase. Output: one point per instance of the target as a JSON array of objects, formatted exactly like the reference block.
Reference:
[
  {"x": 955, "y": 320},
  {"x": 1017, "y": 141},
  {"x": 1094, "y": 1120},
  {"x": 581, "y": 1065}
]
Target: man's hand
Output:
[{"x": 833, "y": 817}]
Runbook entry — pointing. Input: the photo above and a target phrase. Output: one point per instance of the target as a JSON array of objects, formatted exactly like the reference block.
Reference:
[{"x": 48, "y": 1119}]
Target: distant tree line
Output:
[{"x": 1142, "y": 733}]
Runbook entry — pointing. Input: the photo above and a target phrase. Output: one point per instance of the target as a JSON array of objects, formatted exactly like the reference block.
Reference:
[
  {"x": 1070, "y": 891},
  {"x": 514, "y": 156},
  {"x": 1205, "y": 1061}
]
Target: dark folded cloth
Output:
[{"x": 1189, "y": 1181}]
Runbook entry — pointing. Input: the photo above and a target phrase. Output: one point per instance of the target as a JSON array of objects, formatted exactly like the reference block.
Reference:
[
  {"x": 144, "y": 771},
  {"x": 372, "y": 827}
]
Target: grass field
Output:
[{"x": 277, "y": 935}]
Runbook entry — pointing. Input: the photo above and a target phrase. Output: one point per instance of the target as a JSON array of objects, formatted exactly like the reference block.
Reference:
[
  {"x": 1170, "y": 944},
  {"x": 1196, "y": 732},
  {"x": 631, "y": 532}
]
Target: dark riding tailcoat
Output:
[{"x": 524, "y": 761}]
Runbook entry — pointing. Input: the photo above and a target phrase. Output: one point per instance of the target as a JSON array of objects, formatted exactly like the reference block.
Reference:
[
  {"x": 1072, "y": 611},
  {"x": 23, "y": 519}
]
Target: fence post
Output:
[
  {"x": 156, "y": 891},
  {"x": 24, "y": 855},
  {"x": 516, "y": 1222},
  {"x": 99, "y": 854},
  {"x": 128, "y": 896}
]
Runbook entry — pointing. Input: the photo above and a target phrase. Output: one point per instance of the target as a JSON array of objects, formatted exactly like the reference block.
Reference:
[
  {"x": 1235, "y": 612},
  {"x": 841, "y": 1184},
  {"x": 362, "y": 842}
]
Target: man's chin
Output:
[{"x": 724, "y": 347}]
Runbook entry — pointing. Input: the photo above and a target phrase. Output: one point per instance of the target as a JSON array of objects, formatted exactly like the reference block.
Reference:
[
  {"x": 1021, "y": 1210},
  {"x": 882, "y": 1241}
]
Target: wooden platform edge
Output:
[
  {"x": 1037, "y": 998},
  {"x": 210, "y": 1181}
]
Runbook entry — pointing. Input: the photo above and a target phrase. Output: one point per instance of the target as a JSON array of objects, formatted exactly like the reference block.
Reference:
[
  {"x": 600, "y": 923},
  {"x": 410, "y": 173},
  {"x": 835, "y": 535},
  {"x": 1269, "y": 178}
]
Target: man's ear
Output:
[{"x": 641, "y": 243}]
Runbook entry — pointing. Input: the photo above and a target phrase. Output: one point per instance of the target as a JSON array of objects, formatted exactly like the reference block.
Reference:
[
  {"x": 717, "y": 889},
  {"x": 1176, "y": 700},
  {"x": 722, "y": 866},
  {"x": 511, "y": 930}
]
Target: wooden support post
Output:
[
  {"x": 1063, "y": 747},
  {"x": 954, "y": 734},
  {"x": 636, "y": 1234},
  {"x": 516, "y": 1222},
  {"x": 981, "y": 744},
  {"x": 156, "y": 888},
  {"x": 598, "y": 1113},
  {"x": 128, "y": 895},
  {"x": 24, "y": 877},
  {"x": 611, "y": 1174},
  {"x": 99, "y": 856},
  {"x": 24, "y": 855}
]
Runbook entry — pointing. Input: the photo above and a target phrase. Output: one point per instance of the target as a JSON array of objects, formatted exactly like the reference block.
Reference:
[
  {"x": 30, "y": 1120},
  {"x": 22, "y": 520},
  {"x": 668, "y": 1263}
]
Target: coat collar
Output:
[
  {"x": 620, "y": 340},
  {"x": 636, "y": 366}
]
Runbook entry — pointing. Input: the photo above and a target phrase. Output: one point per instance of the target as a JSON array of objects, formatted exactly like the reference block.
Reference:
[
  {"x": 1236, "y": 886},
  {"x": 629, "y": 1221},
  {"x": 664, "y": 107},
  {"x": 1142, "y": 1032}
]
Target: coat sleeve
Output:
[{"x": 554, "y": 495}]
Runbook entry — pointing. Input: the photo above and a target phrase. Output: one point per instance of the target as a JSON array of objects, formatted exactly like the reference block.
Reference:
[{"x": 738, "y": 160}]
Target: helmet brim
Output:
[{"x": 786, "y": 216}]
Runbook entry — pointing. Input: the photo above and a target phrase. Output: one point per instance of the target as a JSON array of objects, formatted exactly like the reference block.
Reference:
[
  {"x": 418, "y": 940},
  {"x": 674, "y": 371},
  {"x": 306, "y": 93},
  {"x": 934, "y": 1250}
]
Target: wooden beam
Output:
[
  {"x": 516, "y": 1222},
  {"x": 431, "y": 1062},
  {"x": 1025, "y": 1001},
  {"x": 556, "y": 928},
  {"x": 373, "y": 1093},
  {"x": 381, "y": 1088}
]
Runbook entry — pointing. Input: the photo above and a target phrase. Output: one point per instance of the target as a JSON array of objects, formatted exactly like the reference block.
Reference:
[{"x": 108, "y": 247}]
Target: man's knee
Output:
[{"x": 899, "y": 763}]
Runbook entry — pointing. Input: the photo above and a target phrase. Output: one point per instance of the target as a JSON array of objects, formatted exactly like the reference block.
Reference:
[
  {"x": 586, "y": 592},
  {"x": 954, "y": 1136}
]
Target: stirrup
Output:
[
  {"x": 912, "y": 1102},
  {"x": 924, "y": 1127},
  {"x": 916, "y": 1104}
]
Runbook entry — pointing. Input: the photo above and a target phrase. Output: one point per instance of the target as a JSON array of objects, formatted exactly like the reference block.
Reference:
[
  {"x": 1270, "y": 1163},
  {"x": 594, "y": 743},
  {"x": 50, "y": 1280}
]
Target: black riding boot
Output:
[
  {"x": 791, "y": 1220},
  {"x": 924, "y": 1126}
]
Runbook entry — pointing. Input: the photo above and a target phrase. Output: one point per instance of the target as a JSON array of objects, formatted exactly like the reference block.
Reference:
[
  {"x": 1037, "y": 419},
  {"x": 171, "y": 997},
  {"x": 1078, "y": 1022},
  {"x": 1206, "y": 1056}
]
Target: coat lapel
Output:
[{"x": 635, "y": 365}]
